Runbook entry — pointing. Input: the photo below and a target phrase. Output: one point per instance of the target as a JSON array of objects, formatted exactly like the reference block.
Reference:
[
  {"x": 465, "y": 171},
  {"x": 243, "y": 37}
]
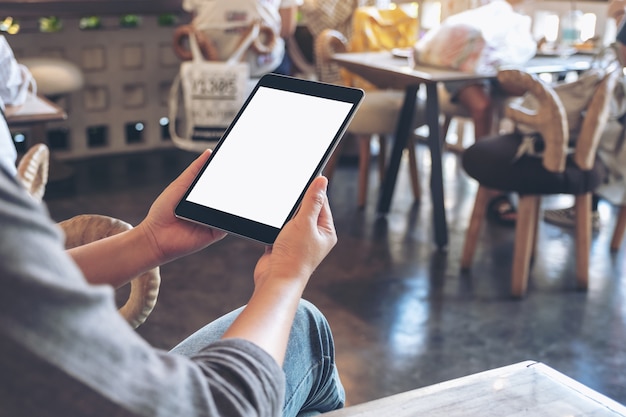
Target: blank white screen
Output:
[{"x": 262, "y": 167}]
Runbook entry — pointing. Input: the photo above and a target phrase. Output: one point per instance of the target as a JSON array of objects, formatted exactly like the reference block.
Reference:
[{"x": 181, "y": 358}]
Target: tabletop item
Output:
[{"x": 571, "y": 27}]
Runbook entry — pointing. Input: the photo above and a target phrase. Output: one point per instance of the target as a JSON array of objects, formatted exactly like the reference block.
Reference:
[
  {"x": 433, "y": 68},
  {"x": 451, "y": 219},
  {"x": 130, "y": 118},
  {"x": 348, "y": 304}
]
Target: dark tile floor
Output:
[{"x": 402, "y": 313}]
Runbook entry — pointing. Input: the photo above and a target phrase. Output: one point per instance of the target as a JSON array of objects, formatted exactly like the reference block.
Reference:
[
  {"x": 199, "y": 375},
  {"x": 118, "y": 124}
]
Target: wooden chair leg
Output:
[
  {"x": 382, "y": 156},
  {"x": 533, "y": 254},
  {"x": 460, "y": 134},
  {"x": 471, "y": 237},
  {"x": 583, "y": 239},
  {"x": 525, "y": 228},
  {"x": 413, "y": 172},
  {"x": 445, "y": 127},
  {"x": 618, "y": 232},
  {"x": 364, "y": 163}
]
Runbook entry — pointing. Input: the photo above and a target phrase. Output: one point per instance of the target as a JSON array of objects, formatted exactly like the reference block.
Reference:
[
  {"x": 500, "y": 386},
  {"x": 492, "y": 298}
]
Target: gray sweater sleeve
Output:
[{"x": 64, "y": 349}]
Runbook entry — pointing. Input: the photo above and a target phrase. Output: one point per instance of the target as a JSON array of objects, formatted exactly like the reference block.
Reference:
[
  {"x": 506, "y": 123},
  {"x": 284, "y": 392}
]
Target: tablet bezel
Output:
[{"x": 245, "y": 227}]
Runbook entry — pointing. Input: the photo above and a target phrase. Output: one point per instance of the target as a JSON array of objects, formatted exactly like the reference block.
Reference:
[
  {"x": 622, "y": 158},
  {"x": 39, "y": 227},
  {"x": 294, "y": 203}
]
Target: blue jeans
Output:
[{"x": 313, "y": 384}]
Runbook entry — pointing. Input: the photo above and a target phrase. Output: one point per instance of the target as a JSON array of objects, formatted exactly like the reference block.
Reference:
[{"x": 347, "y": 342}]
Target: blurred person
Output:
[
  {"x": 15, "y": 82},
  {"x": 611, "y": 149},
  {"x": 331, "y": 14},
  {"x": 476, "y": 97},
  {"x": 8, "y": 153},
  {"x": 221, "y": 26}
]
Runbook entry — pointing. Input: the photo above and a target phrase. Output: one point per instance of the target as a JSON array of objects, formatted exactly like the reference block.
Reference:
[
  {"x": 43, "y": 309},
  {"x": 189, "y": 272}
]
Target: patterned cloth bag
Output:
[
  {"x": 478, "y": 40},
  {"x": 212, "y": 94}
]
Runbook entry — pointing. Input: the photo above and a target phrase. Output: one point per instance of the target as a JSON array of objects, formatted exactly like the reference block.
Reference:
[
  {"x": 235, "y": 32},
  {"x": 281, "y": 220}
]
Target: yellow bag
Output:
[{"x": 375, "y": 29}]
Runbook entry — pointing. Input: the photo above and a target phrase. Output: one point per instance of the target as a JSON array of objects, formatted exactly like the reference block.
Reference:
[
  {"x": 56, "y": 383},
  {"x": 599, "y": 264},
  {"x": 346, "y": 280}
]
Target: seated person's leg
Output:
[
  {"x": 487, "y": 161},
  {"x": 312, "y": 379},
  {"x": 566, "y": 217},
  {"x": 476, "y": 99}
]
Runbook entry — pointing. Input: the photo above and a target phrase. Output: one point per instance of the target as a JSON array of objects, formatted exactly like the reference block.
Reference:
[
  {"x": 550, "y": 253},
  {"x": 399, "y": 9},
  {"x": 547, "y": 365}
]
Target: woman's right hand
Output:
[
  {"x": 283, "y": 271},
  {"x": 304, "y": 241}
]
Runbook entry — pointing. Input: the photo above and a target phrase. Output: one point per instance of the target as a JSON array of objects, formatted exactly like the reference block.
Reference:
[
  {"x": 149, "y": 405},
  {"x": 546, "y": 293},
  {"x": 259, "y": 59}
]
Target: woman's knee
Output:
[
  {"x": 313, "y": 382},
  {"x": 310, "y": 321},
  {"x": 490, "y": 156}
]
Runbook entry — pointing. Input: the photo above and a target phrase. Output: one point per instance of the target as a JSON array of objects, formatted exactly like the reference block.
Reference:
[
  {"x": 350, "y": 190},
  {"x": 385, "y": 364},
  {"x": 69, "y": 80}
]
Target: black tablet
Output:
[{"x": 277, "y": 144}]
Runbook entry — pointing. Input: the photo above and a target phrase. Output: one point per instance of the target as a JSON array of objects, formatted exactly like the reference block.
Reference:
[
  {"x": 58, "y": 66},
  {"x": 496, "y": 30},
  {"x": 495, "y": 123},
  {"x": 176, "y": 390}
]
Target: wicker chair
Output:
[
  {"x": 618, "y": 232},
  {"x": 32, "y": 171},
  {"x": 493, "y": 164}
]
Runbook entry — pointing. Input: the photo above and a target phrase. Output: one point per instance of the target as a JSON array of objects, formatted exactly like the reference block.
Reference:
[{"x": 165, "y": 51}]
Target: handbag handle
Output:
[
  {"x": 260, "y": 37},
  {"x": 188, "y": 32},
  {"x": 173, "y": 113}
]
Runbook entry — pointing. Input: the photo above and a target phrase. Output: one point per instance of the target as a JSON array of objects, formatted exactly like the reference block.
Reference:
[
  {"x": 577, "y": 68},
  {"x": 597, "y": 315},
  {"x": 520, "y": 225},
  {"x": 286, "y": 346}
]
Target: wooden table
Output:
[
  {"x": 528, "y": 389},
  {"x": 34, "y": 114},
  {"x": 385, "y": 70}
]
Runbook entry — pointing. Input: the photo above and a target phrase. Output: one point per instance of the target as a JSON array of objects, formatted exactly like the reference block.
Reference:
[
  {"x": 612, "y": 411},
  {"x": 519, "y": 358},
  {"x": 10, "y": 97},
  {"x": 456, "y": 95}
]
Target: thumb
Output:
[
  {"x": 194, "y": 168},
  {"x": 314, "y": 199}
]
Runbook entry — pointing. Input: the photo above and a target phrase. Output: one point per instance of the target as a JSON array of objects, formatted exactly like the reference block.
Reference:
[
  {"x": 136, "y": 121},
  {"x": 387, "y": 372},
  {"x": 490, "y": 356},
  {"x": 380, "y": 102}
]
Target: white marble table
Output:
[{"x": 523, "y": 389}]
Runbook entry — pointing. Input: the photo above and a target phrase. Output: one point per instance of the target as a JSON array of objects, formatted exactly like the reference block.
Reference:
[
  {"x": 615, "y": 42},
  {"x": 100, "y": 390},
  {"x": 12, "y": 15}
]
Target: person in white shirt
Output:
[
  {"x": 225, "y": 24},
  {"x": 611, "y": 149},
  {"x": 8, "y": 153}
]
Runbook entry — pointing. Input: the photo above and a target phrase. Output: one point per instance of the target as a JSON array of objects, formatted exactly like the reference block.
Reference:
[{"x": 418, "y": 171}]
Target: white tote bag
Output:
[{"x": 212, "y": 94}]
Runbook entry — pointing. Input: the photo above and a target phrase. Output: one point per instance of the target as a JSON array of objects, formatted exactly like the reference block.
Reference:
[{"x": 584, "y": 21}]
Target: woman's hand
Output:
[
  {"x": 283, "y": 271},
  {"x": 304, "y": 241},
  {"x": 172, "y": 237},
  {"x": 159, "y": 238}
]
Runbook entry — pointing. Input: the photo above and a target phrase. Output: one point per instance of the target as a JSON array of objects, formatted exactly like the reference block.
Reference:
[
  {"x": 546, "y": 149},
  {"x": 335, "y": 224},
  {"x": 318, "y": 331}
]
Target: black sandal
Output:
[{"x": 501, "y": 210}]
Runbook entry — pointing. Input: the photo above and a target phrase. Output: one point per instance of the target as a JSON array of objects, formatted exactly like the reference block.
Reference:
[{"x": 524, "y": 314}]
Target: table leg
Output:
[
  {"x": 403, "y": 130},
  {"x": 436, "y": 175},
  {"x": 405, "y": 123}
]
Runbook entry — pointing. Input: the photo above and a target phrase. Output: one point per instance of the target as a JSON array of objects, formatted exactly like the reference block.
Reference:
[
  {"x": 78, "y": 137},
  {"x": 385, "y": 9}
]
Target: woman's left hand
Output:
[{"x": 170, "y": 236}]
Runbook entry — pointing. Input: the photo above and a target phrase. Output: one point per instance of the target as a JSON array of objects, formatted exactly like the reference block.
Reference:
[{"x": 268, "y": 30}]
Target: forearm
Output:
[
  {"x": 289, "y": 21},
  {"x": 117, "y": 259},
  {"x": 267, "y": 318},
  {"x": 282, "y": 273}
]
